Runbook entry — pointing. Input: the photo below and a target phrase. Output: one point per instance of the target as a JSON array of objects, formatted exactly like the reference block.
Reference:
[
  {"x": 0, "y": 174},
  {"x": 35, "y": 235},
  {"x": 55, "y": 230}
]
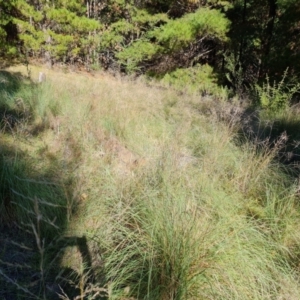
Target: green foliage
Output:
[
  {"x": 276, "y": 97},
  {"x": 199, "y": 79},
  {"x": 234, "y": 72},
  {"x": 74, "y": 6},
  {"x": 32, "y": 38},
  {"x": 175, "y": 35},
  {"x": 28, "y": 11},
  {"x": 6, "y": 19},
  {"x": 54, "y": 28},
  {"x": 70, "y": 22},
  {"x": 204, "y": 23},
  {"x": 242, "y": 40},
  {"x": 144, "y": 20},
  {"x": 141, "y": 50},
  {"x": 221, "y": 3},
  {"x": 110, "y": 39},
  {"x": 115, "y": 36}
]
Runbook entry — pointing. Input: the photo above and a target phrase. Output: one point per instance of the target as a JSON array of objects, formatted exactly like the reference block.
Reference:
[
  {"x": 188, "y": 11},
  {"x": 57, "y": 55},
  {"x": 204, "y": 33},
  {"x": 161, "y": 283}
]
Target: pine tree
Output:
[
  {"x": 8, "y": 29},
  {"x": 56, "y": 30},
  {"x": 180, "y": 42}
]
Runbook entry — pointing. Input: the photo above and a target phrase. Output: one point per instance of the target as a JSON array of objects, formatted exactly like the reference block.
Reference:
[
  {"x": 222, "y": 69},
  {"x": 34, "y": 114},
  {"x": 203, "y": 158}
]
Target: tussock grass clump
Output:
[
  {"x": 194, "y": 236},
  {"x": 161, "y": 202}
]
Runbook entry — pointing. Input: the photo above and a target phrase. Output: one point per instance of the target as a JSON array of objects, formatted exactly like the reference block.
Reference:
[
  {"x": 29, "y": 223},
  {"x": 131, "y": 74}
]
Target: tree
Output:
[
  {"x": 56, "y": 30},
  {"x": 263, "y": 40},
  {"x": 8, "y": 29}
]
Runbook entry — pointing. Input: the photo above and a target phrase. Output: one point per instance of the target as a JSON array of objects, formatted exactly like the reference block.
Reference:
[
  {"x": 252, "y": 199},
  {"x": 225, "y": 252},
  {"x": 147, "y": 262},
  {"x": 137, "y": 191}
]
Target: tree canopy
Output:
[{"x": 242, "y": 40}]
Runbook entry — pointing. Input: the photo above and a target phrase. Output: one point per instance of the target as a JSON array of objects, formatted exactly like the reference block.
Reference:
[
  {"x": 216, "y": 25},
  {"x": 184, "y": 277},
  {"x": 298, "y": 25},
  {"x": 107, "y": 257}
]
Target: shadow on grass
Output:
[
  {"x": 20, "y": 98},
  {"x": 34, "y": 212},
  {"x": 36, "y": 205},
  {"x": 12, "y": 107},
  {"x": 282, "y": 131}
]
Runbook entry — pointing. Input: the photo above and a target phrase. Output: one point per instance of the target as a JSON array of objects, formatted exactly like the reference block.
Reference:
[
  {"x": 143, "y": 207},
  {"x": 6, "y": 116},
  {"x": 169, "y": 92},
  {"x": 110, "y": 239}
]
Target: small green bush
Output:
[
  {"x": 198, "y": 79},
  {"x": 276, "y": 97}
]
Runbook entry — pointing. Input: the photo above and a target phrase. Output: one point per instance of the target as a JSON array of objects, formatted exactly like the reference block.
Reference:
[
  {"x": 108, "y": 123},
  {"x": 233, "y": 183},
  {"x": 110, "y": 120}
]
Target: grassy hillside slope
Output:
[{"x": 113, "y": 189}]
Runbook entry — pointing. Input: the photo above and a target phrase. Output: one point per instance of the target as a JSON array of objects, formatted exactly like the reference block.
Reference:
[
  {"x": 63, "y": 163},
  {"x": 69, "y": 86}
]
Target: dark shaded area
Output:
[
  {"x": 35, "y": 208},
  {"x": 33, "y": 217},
  {"x": 282, "y": 135},
  {"x": 264, "y": 41},
  {"x": 267, "y": 133},
  {"x": 12, "y": 109}
]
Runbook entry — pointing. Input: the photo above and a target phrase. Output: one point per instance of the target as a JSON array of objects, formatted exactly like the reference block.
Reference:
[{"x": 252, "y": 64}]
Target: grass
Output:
[{"x": 153, "y": 196}]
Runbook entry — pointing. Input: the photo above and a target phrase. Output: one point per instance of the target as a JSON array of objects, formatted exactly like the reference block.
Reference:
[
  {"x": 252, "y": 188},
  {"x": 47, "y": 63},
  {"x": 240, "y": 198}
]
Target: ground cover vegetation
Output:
[
  {"x": 174, "y": 175},
  {"x": 109, "y": 194}
]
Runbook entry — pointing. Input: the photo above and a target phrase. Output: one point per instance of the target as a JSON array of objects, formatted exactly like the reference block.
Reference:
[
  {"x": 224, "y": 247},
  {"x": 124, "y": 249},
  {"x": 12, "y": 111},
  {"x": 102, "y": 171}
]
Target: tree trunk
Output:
[
  {"x": 268, "y": 36},
  {"x": 242, "y": 36},
  {"x": 270, "y": 25}
]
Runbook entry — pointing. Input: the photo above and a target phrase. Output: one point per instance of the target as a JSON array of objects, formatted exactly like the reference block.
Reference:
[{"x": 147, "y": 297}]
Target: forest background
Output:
[{"x": 237, "y": 44}]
